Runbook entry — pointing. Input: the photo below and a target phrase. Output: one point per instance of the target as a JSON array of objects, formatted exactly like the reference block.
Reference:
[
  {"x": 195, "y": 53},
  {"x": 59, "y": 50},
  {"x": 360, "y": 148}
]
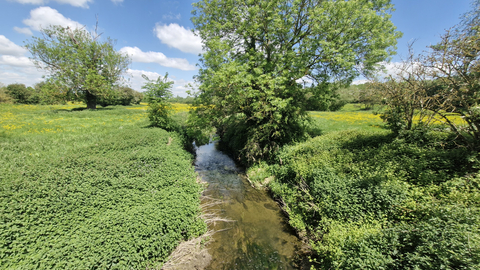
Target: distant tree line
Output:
[
  {"x": 49, "y": 93},
  {"x": 184, "y": 100}
]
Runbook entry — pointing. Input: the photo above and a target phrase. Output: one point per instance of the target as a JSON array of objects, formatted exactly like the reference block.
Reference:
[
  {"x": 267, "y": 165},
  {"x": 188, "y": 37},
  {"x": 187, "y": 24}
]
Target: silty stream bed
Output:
[{"x": 257, "y": 236}]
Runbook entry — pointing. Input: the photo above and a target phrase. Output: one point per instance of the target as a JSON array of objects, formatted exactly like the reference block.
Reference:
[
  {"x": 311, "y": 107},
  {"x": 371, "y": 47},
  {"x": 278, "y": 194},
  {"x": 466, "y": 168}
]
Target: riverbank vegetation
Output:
[
  {"x": 366, "y": 199},
  {"x": 364, "y": 194},
  {"x": 92, "y": 189}
]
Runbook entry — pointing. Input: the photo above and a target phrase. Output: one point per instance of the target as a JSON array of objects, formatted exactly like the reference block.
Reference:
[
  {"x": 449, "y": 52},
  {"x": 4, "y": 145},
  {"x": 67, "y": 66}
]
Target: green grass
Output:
[
  {"x": 92, "y": 189},
  {"x": 350, "y": 117}
]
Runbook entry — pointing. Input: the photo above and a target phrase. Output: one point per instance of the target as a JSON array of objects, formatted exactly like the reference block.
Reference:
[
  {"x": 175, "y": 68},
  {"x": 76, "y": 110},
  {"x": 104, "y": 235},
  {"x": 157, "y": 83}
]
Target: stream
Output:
[{"x": 256, "y": 234}]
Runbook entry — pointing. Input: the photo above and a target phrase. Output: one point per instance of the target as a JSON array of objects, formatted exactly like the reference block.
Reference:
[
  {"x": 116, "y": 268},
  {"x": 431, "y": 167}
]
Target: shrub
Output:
[
  {"x": 4, "y": 96},
  {"x": 157, "y": 94},
  {"x": 367, "y": 200},
  {"x": 22, "y": 94}
]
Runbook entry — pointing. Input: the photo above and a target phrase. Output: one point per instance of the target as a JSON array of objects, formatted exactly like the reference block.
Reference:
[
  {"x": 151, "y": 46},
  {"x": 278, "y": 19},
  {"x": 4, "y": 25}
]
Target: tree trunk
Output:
[{"x": 91, "y": 100}]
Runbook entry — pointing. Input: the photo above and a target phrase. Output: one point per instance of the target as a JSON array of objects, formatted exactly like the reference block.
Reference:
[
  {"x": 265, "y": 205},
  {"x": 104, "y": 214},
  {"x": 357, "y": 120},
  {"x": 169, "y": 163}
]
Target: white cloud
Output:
[
  {"x": 24, "y": 30},
  {"x": 7, "y": 47},
  {"x": 15, "y": 67},
  {"x": 178, "y": 37},
  {"x": 179, "y": 87},
  {"x": 15, "y": 61},
  {"x": 75, "y": 3},
  {"x": 43, "y": 17},
  {"x": 172, "y": 16},
  {"x": 156, "y": 57},
  {"x": 360, "y": 81},
  {"x": 117, "y": 1},
  {"x": 18, "y": 70}
]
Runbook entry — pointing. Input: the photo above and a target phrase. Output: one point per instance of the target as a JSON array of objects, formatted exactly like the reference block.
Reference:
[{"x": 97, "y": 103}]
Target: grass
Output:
[
  {"x": 92, "y": 189},
  {"x": 355, "y": 117},
  {"x": 350, "y": 117}
]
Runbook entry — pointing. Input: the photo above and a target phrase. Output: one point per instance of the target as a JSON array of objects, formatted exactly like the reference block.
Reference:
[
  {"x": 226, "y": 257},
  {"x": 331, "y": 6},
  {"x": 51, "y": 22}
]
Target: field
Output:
[
  {"x": 92, "y": 189},
  {"x": 100, "y": 189},
  {"x": 351, "y": 116}
]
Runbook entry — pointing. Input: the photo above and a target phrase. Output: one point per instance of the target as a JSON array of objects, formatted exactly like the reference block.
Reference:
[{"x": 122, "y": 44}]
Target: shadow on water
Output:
[{"x": 258, "y": 236}]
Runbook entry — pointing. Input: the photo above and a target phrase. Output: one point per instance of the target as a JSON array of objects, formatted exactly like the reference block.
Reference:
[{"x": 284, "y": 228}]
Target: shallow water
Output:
[{"x": 257, "y": 236}]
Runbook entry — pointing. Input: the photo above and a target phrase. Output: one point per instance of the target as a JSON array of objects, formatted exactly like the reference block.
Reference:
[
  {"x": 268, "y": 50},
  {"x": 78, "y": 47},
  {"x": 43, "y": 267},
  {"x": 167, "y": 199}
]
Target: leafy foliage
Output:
[
  {"x": 256, "y": 52},
  {"x": 321, "y": 98},
  {"x": 157, "y": 94},
  {"x": 366, "y": 200},
  {"x": 79, "y": 61},
  {"x": 119, "y": 197},
  {"x": 22, "y": 94},
  {"x": 4, "y": 96},
  {"x": 121, "y": 95}
]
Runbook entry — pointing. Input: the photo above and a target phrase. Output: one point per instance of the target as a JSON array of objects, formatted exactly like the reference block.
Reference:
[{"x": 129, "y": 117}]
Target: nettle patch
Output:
[
  {"x": 121, "y": 199},
  {"x": 367, "y": 200}
]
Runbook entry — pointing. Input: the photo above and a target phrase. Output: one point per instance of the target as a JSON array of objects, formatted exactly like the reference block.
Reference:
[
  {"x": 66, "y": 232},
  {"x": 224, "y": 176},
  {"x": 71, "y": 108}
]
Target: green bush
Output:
[
  {"x": 367, "y": 200},
  {"x": 157, "y": 94},
  {"x": 121, "y": 199},
  {"x": 4, "y": 96},
  {"x": 22, "y": 94}
]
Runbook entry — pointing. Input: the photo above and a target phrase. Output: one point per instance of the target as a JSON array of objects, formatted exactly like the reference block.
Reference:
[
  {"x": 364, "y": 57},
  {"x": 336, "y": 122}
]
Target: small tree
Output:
[
  {"x": 157, "y": 94},
  {"x": 442, "y": 82},
  {"x": 406, "y": 94},
  {"x": 79, "y": 60},
  {"x": 455, "y": 62}
]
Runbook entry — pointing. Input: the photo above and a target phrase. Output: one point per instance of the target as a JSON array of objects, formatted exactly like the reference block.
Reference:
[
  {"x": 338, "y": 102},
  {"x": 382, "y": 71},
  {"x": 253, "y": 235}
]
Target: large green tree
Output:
[
  {"x": 79, "y": 60},
  {"x": 257, "y": 50}
]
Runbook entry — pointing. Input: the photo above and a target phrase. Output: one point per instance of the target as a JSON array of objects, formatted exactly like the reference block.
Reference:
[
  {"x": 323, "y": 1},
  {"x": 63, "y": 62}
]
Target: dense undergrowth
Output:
[
  {"x": 367, "y": 200},
  {"x": 99, "y": 191}
]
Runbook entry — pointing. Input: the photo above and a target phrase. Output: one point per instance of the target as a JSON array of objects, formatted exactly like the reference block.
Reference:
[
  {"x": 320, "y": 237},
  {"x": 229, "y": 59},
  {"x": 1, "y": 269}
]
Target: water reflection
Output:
[{"x": 259, "y": 237}]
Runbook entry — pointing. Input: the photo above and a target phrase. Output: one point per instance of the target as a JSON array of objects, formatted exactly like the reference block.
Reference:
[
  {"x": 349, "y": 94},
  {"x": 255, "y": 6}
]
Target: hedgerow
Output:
[
  {"x": 367, "y": 200},
  {"x": 118, "y": 199}
]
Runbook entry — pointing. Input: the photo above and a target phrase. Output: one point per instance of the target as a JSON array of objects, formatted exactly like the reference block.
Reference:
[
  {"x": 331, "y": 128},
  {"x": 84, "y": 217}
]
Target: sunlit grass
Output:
[
  {"x": 21, "y": 120},
  {"x": 350, "y": 117},
  {"x": 353, "y": 116}
]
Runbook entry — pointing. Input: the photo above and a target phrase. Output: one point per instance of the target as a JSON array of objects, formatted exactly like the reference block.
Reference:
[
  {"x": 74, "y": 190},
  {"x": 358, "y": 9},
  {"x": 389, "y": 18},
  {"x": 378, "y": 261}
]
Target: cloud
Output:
[
  {"x": 24, "y": 30},
  {"x": 117, "y": 1},
  {"x": 15, "y": 67},
  {"x": 360, "y": 81},
  {"x": 75, "y": 3},
  {"x": 43, "y": 17},
  {"x": 179, "y": 86},
  {"x": 172, "y": 16},
  {"x": 7, "y": 47},
  {"x": 157, "y": 57},
  {"x": 19, "y": 70},
  {"x": 21, "y": 61},
  {"x": 178, "y": 37}
]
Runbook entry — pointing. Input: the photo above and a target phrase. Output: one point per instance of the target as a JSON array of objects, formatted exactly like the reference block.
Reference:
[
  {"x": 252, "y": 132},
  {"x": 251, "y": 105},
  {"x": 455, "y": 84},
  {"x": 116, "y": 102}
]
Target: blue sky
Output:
[{"x": 157, "y": 33}]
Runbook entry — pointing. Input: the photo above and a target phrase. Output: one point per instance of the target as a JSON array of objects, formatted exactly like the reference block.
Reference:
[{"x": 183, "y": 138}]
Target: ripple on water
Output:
[{"x": 258, "y": 237}]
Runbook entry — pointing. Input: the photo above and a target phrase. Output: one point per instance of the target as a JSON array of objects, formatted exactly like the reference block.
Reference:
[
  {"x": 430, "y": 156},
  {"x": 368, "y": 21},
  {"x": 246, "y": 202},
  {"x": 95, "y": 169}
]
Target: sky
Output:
[{"x": 157, "y": 34}]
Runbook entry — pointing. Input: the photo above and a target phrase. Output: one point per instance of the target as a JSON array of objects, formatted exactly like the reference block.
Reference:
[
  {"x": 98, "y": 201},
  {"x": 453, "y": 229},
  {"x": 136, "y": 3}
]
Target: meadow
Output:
[
  {"x": 83, "y": 189},
  {"x": 101, "y": 189}
]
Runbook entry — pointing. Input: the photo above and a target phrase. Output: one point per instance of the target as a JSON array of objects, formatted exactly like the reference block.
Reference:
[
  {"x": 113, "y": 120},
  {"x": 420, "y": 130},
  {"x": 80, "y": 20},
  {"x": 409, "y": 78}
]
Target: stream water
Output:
[{"x": 256, "y": 235}]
